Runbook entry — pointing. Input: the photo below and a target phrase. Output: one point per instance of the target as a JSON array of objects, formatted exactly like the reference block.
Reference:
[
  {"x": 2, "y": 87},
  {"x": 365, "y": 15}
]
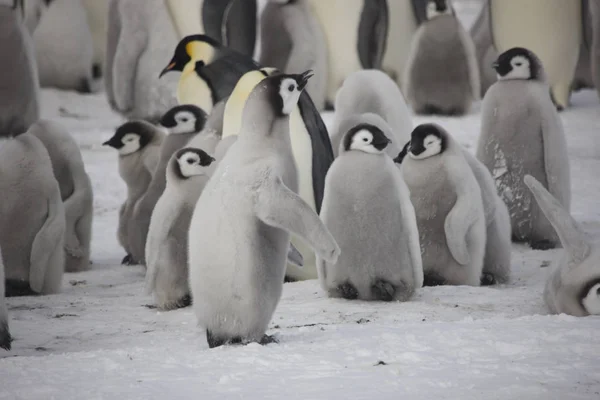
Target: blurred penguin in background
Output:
[
  {"x": 97, "y": 14},
  {"x": 484, "y": 47}
]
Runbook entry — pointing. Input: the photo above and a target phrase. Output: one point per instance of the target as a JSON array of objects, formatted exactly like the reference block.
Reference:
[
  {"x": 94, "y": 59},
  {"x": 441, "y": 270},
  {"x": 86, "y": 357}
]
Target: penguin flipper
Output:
[
  {"x": 420, "y": 10},
  {"x": 456, "y": 226},
  {"x": 112, "y": 40},
  {"x": 239, "y": 26},
  {"x": 372, "y": 33},
  {"x": 225, "y": 72}
]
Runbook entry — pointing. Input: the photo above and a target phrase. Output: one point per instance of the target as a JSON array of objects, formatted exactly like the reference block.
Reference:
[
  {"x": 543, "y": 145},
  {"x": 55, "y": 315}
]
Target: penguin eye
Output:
[
  {"x": 518, "y": 64},
  {"x": 365, "y": 139},
  {"x": 291, "y": 87},
  {"x": 190, "y": 161},
  {"x": 598, "y": 291}
]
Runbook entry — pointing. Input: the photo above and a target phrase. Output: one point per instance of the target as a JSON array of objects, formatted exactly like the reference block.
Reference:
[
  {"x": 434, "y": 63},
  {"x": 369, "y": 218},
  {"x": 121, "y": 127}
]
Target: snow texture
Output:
[{"x": 99, "y": 340}]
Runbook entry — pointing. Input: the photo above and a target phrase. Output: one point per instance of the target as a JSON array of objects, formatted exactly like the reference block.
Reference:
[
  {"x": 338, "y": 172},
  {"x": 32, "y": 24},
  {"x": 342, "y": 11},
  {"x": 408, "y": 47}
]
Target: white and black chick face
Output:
[
  {"x": 591, "y": 299},
  {"x": 182, "y": 119},
  {"x": 285, "y": 90},
  {"x": 192, "y": 161},
  {"x": 436, "y": 8},
  {"x": 366, "y": 138},
  {"x": 426, "y": 141},
  {"x": 516, "y": 63},
  {"x": 131, "y": 137}
]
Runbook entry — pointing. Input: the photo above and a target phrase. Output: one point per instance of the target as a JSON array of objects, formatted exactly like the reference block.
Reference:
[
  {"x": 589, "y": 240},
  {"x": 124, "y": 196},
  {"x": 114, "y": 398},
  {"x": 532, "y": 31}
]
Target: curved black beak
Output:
[
  {"x": 303, "y": 79},
  {"x": 495, "y": 65},
  {"x": 167, "y": 68}
]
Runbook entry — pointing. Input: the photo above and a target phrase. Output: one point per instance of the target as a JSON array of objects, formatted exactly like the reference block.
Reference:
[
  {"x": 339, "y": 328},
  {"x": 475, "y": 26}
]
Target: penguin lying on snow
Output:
[
  {"x": 573, "y": 286},
  {"x": 5, "y": 338}
]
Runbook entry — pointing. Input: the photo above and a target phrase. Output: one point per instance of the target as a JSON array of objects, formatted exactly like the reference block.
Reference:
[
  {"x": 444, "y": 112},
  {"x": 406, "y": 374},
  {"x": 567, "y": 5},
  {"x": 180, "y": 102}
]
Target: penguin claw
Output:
[
  {"x": 348, "y": 291},
  {"x": 542, "y": 245},
  {"x": 383, "y": 290},
  {"x": 487, "y": 279}
]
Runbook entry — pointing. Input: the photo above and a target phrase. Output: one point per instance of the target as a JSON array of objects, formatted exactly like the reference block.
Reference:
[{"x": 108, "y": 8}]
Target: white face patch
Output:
[
  {"x": 186, "y": 123},
  {"x": 591, "y": 302},
  {"x": 289, "y": 93},
  {"x": 520, "y": 69},
  {"x": 433, "y": 146},
  {"x": 189, "y": 165},
  {"x": 432, "y": 12},
  {"x": 362, "y": 140},
  {"x": 131, "y": 143}
]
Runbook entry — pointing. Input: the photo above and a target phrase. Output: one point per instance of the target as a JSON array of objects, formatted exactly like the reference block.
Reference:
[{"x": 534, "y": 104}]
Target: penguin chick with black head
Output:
[
  {"x": 573, "y": 286},
  {"x": 521, "y": 133},
  {"x": 209, "y": 70},
  {"x": 187, "y": 172},
  {"x": 366, "y": 200},
  {"x": 239, "y": 237},
  {"x": 138, "y": 144},
  {"x": 448, "y": 205},
  {"x": 441, "y": 74}
]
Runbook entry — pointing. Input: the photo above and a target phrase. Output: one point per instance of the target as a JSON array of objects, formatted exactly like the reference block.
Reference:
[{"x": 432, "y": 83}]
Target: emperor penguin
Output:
[
  {"x": 140, "y": 35},
  {"x": 530, "y": 24},
  {"x": 32, "y": 218},
  {"x": 573, "y": 286},
  {"x": 484, "y": 47},
  {"x": 97, "y": 15},
  {"x": 311, "y": 148},
  {"x": 64, "y": 47},
  {"x": 366, "y": 200},
  {"x": 5, "y": 338},
  {"x": 75, "y": 191},
  {"x": 209, "y": 70},
  {"x": 138, "y": 144},
  {"x": 448, "y": 205},
  {"x": 231, "y": 22},
  {"x": 188, "y": 171},
  {"x": 372, "y": 91},
  {"x": 521, "y": 133},
  {"x": 239, "y": 233},
  {"x": 20, "y": 99},
  {"x": 183, "y": 122},
  {"x": 441, "y": 74},
  {"x": 356, "y": 34},
  {"x": 292, "y": 41}
]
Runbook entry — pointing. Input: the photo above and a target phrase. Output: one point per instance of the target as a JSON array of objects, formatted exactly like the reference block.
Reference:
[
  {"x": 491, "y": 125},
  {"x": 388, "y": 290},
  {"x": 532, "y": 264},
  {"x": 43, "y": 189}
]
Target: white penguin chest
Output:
[{"x": 194, "y": 90}]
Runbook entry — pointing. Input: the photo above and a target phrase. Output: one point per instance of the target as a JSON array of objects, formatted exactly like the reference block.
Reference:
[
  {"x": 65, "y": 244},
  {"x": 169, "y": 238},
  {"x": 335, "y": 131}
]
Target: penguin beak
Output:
[
  {"x": 303, "y": 79},
  {"x": 495, "y": 65},
  {"x": 167, "y": 69},
  {"x": 381, "y": 143}
]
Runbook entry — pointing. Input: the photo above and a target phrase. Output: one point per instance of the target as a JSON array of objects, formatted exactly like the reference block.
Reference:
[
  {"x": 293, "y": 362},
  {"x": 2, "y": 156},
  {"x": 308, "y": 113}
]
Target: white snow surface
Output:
[{"x": 98, "y": 340}]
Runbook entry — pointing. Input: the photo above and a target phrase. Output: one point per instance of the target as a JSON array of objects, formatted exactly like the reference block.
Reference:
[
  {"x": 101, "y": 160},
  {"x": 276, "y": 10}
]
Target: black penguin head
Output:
[
  {"x": 199, "y": 49},
  {"x": 589, "y": 297},
  {"x": 427, "y": 140},
  {"x": 518, "y": 63},
  {"x": 191, "y": 161},
  {"x": 400, "y": 157},
  {"x": 366, "y": 138},
  {"x": 185, "y": 118},
  {"x": 436, "y": 8},
  {"x": 284, "y": 90},
  {"x": 130, "y": 137}
]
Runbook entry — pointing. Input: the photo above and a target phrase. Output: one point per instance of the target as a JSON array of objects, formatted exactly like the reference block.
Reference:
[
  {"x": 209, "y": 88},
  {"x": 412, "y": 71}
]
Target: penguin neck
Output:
[{"x": 271, "y": 131}]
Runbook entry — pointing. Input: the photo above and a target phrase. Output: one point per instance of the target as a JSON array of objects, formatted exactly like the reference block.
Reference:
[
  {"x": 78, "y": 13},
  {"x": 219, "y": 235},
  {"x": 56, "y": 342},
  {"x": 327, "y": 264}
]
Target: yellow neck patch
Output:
[{"x": 200, "y": 51}]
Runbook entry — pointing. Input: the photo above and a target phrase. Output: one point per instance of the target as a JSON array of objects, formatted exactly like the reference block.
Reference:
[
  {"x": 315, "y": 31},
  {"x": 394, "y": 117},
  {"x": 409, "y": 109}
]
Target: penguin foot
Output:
[
  {"x": 268, "y": 339},
  {"x": 85, "y": 86},
  {"x": 128, "y": 260},
  {"x": 430, "y": 109},
  {"x": 183, "y": 302},
  {"x": 213, "y": 341},
  {"x": 433, "y": 280},
  {"x": 96, "y": 71},
  {"x": 5, "y": 338},
  {"x": 487, "y": 279},
  {"x": 289, "y": 279},
  {"x": 542, "y": 245},
  {"x": 348, "y": 291},
  {"x": 329, "y": 106},
  {"x": 383, "y": 290},
  {"x": 455, "y": 112},
  {"x": 17, "y": 287}
]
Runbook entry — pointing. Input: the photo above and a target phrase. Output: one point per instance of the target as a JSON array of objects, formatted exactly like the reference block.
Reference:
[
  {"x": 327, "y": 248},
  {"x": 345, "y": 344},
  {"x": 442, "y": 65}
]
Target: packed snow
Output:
[{"x": 100, "y": 338}]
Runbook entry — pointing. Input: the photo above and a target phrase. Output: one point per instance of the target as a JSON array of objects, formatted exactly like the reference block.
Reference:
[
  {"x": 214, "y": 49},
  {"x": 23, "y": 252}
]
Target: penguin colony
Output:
[{"x": 233, "y": 182}]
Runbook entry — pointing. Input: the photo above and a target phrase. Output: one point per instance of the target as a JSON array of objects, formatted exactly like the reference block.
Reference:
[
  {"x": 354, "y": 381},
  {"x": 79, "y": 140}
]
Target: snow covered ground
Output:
[{"x": 99, "y": 340}]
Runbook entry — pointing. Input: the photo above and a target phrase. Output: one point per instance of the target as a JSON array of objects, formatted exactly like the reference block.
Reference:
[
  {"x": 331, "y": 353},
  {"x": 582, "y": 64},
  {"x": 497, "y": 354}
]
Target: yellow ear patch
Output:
[{"x": 200, "y": 51}]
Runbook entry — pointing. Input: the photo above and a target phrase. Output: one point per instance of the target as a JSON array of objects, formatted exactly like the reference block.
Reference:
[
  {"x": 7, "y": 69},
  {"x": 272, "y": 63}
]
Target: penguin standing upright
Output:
[{"x": 97, "y": 13}]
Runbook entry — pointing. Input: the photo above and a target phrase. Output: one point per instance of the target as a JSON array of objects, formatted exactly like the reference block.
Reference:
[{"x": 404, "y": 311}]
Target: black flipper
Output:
[
  {"x": 373, "y": 33},
  {"x": 383, "y": 290},
  {"x": 17, "y": 288},
  {"x": 420, "y": 10},
  {"x": 348, "y": 291},
  {"x": 232, "y": 22}
]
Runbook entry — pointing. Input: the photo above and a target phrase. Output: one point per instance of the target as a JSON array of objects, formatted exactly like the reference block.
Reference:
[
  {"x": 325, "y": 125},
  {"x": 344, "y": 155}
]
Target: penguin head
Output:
[
  {"x": 427, "y": 140},
  {"x": 590, "y": 298},
  {"x": 518, "y": 63},
  {"x": 200, "y": 49},
  {"x": 191, "y": 161},
  {"x": 366, "y": 138},
  {"x": 185, "y": 118},
  {"x": 283, "y": 90},
  {"x": 130, "y": 137},
  {"x": 436, "y": 8}
]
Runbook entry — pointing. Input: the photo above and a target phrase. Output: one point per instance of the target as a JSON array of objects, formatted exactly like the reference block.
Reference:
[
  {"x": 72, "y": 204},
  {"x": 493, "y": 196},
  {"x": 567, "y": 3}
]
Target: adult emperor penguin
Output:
[
  {"x": 231, "y": 22},
  {"x": 356, "y": 34},
  {"x": 188, "y": 171},
  {"x": 138, "y": 144},
  {"x": 371, "y": 91},
  {"x": 448, "y": 205},
  {"x": 521, "y": 133},
  {"x": 140, "y": 36},
  {"x": 97, "y": 15},
  {"x": 19, "y": 102},
  {"x": 441, "y": 74},
  {"x": 366, "y": 200},
  {"x": 5, "y": 338},
  {"x": 311, "y": 148},
  {"x": 293, "y": 41},
  {"x": 239, "y": 233},
  {"x": 32, "y": 218},
  {"x": 209, "y": 70},
  {"x": 530, "y": 24},
  {"x": 573, "y": 286},
  {"x": 484, "y": 47},
  {"x": 183, "y": 122},
  {"x": 75, "y": 191}
]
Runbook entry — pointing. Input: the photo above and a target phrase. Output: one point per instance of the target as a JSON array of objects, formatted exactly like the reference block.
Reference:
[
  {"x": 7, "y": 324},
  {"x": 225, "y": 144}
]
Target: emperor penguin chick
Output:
[
  {"x": 19, "y": 102},
  {"x": 75, "y": 190},
  {"x": 5, "y": 338},
  {"x": 239, "y": 236},
  {"x": 521, "y": 133},
  {"x": 32, "y": 218},
  {"x": 138, "y": 144},
  {"x": 366, "y": 200},
  {"x": 187, "y": 172},
  {"x": 441, "y": 74},
  {"x": 448, "y": 205},
  {"x": 183, "y": 123},
  {"x": 573, "y": 286}
]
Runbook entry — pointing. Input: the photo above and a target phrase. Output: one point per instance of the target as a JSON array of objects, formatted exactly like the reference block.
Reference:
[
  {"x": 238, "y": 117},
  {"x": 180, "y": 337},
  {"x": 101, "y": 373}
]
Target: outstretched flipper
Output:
[{"x": 373, "y": 33}]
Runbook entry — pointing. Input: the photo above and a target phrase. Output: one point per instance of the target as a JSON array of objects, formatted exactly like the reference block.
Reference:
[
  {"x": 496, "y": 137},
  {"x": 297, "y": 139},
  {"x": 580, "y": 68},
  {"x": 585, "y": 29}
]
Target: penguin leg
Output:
[
  {"x": 128, "y": 260},
  {"x": 487, "y": 279},
  {"x": 17, "y": 288},
  {"x": 329, "y": 106},
  {"x": 289, "y": 279},
  {"x": 560, "y": 94},
  {"x": 183, "y": 302},
  {"x": 348, "y": 291},
  {"x": 383, "y": 290},
  {"x": 268, "y": 339},
  {"x": 213, "y": 341},
  {"x": 433, "y": 279},
  {"x": 542, "y": 244}
]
